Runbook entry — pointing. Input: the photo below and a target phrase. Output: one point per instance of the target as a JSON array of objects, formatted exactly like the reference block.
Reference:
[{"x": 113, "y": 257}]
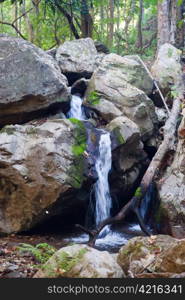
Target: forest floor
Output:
[{"x": 17, "y": 264}]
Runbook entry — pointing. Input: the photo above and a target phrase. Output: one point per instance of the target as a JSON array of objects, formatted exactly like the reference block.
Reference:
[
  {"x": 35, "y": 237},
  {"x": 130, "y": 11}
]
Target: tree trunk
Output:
[
  {"x": 180, "y": 34},
  {"x": 128, "y": 19},
  {"x": 111, "y": 23},
  {"x": 86, "y": 20},
  {"x": 69, "y": 19},
  {"x": 102, "y": 16},
  {"x": 16, "y": 13},
  {"x": 31, "y": 34},
  {"x": 167, "y": 22},
  {"x": 139, "y": 42}
]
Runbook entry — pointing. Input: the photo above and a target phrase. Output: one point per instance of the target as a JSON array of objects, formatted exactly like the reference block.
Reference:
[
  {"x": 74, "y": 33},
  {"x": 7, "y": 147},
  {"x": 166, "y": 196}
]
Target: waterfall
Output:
[
  {"x": 103, "y": 165},
  {"x": 102, "y": 192},
  {"x": 76, "y": 110}
]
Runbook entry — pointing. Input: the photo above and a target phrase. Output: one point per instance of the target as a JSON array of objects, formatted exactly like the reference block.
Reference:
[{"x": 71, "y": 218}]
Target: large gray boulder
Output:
[
  {"x": 114, "y": 91},
  {"x": 30, "y": 80},
  {"x": 80, "y": 261},
  {"x": 77, "y": 58},
  {"x": 161, "y": 254},
  {"x": 38, "y": 164},
  {"x": 167, "y": 69}
]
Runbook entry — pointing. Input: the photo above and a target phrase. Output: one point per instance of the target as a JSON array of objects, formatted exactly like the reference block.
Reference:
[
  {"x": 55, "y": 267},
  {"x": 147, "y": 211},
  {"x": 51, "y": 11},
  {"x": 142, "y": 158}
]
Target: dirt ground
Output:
[{"x": 16, "y": 264}]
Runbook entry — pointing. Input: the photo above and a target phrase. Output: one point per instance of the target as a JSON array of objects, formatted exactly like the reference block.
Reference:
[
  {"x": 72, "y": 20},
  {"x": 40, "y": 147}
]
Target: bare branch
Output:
[
  {"x": 14, "y": 27},
  {"x": 13, "y": 23}
]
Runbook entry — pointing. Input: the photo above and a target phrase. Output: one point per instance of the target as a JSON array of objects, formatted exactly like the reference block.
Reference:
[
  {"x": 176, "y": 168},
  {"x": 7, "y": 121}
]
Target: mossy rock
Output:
[
  {"x": 93, "y": 98},
  {"x": 119, "y": 137},
  {"x": 80, "y": 261},
  {"x": 77, "y": 169}
]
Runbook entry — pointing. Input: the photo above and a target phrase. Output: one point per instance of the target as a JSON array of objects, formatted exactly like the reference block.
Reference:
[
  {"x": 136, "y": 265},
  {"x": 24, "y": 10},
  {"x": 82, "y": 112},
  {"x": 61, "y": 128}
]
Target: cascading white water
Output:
[
  {"x": 76, "y": 110},
  {"x": 103, "y": 167}
]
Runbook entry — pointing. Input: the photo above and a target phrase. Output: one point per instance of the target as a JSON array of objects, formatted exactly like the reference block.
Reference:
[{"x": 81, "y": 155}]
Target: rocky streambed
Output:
[{"x": 47, "y": 158}]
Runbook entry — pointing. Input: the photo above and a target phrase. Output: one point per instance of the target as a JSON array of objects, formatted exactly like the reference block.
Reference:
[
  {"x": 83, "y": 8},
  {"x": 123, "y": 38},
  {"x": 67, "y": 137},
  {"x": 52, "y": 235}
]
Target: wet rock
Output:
[
  {"x": 157, "y": 254},
  {"x": 30, "y": 80},
  {"x": 80, "y": 261},
  {"x": 124, "y": 130},
  {"x": 77, "y": 59},
  {"x": 38, "y": 164},
  {"x": 111, "y": 82},
  {"x": 128, "y": 156},
  {"x": 162, "y": 115},
  {"x": 106, "y": 109},
  {"x": 167, "y": 69},
  {"x": 79, "y": 87}
]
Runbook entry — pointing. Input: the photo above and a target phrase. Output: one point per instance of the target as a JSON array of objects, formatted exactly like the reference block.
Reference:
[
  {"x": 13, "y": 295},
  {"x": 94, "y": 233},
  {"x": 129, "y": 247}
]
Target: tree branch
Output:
[
  {"x": 13, "y": 23},
  {"x": 69, "y": 19},
  {"x": 14, "y": 27}
]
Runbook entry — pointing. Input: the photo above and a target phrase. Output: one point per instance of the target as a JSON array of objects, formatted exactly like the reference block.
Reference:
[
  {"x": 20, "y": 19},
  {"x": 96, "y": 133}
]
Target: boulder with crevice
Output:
[
  {"x": 77, "y": 59},
  {"x": 160, "y": 254},
  {"x": 79, "y": 87},
  {"x": 80, "y": 261},
  {"x": 39, "y": 164},
  {"x": 30, "y": 81}
]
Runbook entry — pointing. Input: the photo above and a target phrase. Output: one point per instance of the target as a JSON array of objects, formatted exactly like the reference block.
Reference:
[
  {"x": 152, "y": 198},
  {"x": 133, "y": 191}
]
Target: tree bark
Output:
[
  {"x": 180, "y": 33},
  {"x": 167, "y": 22},
  {"x": 139, "y": 42},
  {"x": 86, "y": 20},
  {"x": 31, "y": 34},
  {"x": 69, "y": 19},
  {"x": 111, "y": 23}
]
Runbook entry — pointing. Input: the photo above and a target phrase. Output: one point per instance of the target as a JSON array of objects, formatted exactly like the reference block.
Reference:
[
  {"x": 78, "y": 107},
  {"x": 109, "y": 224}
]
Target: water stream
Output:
[
  {"x": 102, "y": 166},
  {"x": 103, "y": 201},
  {"x": 102, "y": 191},
  {"x": 76, "y": 110}
]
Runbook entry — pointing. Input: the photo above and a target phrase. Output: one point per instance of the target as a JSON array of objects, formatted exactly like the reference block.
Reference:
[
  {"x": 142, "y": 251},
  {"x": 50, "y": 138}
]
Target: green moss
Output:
[
  {"x": 170, "y": 52},
  {"x": 67, "y": 262},
  {"x": 80, "y": 137},
  {"x": 42, "y": 252},
  {"x": 138, "y": 192},
  {"x": 76, "y": 173},
  {"x": 93, "y": 98},
  {"x": 8, "y": 129},
  {"x": 77, "y": 169},
  {"x": 133, "y": 248},
  {"x": 64, "y": 263},
  {"x": 160, "y": 214},
  {"x": 118, "y": 135}
]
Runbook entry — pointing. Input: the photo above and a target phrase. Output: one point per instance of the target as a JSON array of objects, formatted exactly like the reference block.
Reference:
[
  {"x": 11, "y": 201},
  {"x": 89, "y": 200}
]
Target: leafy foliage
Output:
[{"x": 48, "y": 23}]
